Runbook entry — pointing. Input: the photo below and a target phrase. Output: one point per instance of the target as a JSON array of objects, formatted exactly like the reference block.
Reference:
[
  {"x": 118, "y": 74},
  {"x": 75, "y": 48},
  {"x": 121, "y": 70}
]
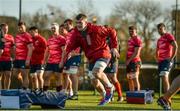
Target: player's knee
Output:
[
  {"x": 95, "y": 81},
  {"x": 96, "y": 72},
  {"x": 8, "y": 76},
  {"x": 132, "y": 75},
  {"x": 164, "y": 73}
]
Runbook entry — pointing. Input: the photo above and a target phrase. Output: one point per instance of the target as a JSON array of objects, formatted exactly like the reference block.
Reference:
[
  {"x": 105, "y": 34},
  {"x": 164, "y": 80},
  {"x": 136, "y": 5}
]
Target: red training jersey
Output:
[
  {"x": 55, "y": 51},
  {"x": 21, "y": 42},
  {"x": 94, "y": 42},
  {"x": 39, "y": 44},
  {"x": 9, "y": 43},
  {"x": 132, "y": 43},
  {"x": 164, "y": 46},
  {"x": 68, "y": 37}
]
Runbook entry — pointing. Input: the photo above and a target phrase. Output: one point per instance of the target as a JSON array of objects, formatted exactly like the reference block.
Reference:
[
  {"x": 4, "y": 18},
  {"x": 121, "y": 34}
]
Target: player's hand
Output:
[
  {"x": 27, "y": 63},
  {"x": 127, "y": 62},
  {"x": 3, "y": 40},
  {"x": 115, "y": 52},
  {"x": 61, "y": 64}
]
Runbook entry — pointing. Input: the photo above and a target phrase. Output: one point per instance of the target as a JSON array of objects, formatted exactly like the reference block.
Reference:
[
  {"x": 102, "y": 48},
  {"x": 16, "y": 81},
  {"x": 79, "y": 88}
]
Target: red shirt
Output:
[
  {"x": 164, "y": 46},
  {"x": 21, "y": 42},
  {"x": 132, "y": 43},
  {"x": 68, "y": 37},
  {"x": 94, "y": 43},
  {"x": 54, "y": 45},
  {"x": 39, "y": 44},
  {"x": 6, "y": 55}
]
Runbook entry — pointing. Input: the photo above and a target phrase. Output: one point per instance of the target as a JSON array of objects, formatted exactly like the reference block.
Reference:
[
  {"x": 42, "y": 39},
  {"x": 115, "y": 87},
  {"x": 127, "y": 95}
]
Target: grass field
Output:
[{"x": 88, "y": 101}]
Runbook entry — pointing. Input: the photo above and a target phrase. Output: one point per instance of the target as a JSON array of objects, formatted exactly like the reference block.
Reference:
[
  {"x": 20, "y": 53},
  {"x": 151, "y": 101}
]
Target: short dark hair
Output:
[
  {"x": 3, "y": 24},
  {"x": 21, "y": 23},
  {"x": 160, "y": 25},
  {"x": 132, "y": 27},
  {"x": 69, "y": 21},
  {"x": 79, "y": 16},
  {"x": 33, "y": 28},
  {"x": 62, "y": 25}
]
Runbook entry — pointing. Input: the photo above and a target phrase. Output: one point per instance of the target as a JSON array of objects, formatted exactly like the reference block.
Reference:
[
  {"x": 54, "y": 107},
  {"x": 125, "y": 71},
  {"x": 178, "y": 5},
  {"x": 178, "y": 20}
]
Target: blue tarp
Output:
[{"x": 45, "y": 99}]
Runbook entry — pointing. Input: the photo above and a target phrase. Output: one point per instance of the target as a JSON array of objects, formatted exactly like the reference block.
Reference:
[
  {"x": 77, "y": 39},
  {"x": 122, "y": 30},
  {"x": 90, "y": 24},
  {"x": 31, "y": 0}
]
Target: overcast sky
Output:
[{"x": 104, "y": 7}]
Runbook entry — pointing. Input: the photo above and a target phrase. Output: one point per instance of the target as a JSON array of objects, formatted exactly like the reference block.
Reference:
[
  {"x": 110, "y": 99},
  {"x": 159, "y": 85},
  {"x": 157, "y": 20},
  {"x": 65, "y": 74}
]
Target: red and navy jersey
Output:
[
  {"x": 93, "y": 41},
  {"x": 164, "y": 47},
  {"x": 68, "y": 37},
  {"x": 40, "y": 45},
  {"x": 54, "y": 45},
  {"x": 132, "y": 43},
  {"x": 9, "y": 43},
  {"x": 21, "y": 42}
]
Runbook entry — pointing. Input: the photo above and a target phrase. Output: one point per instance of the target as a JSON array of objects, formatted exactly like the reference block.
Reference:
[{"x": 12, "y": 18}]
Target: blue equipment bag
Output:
[
  {"x": 140, "y": 97},
  {"x": 23, "y": 99},
  {"x": 48, "y": 100},
  {"x": 26, "y": 98}
]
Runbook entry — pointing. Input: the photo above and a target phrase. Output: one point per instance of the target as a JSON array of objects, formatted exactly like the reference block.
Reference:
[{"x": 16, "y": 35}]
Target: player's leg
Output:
[
  {"x": 25, "y": 76},
  {"x": 174, "y": 88},
  {"x": 40, "y": 79},
  {"x": 7, "y": 79},
  {"x": 130, "y": 82},
  {"x": 58, "y": 73},
  {"x": 164, "y": 68},
  {"x": 97, "y": 71},
  {"x": 17, "y": 73},
  {"x": 165, "y": 101},
  {"x": 33, "y": 76}
]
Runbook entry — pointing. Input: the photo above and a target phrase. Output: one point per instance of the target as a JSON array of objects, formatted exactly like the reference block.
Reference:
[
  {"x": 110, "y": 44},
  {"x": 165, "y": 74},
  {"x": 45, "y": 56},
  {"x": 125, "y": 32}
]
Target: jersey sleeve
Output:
[
  {"x": 170, "y": 38},
  {"x": 28, "y": 38},
  {"x": 12, "y": 41},
  {"x": 72, "y": 43},
  {"x": 137, "y": 42},
  {"x": 108, "y": 32}
]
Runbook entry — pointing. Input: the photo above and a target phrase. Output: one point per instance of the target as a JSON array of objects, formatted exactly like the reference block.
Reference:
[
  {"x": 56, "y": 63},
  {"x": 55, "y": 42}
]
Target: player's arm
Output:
[
  {"x": 29, "y": 54},
  {"x": 62, "y": 56},
  {"x": 113, "y": 42},
  {"x": 175, "y": 48},
  {"x": 13, "y": 49},
  {"x": 134, "y": 55},
  {"x": 72, "y": 44},
  {"x": 46, "y": 55},
  {"x": 157, "y": 54}
]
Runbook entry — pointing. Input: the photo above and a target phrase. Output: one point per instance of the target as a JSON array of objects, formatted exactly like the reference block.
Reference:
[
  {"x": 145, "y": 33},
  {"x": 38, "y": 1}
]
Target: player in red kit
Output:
[
  {"x": 24, "y": 48},
  {"x": 72, "y": 64},
  {"x": 165, "y": 54},
  {"x": 5, "y": 58},
  {"x": 36, "y": 65},
  {"x": 133, "y": 60},
  {"x": 112, "y": 70},
  {"x": 53, "y": 56},
  {"x": 92, "y": 39}
]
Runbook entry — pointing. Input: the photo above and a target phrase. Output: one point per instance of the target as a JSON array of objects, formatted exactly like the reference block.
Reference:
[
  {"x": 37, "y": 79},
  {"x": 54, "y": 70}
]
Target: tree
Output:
[
  {"x": 44, "y": 19},
  {"x": 145, "y": 15},
  {"x": 87, "y": 7}
]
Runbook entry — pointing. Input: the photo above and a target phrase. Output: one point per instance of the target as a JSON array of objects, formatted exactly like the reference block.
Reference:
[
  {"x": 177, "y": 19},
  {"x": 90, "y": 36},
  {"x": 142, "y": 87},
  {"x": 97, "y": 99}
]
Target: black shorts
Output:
[
  {"x": 20, "y": 64},
  {"x": 73, "y": 61},
  {"x": 133, "y": 67},
  {"x": 53, "y": 67},
  {"x": 112, "y": 67},
  {"x": 5, "y": 65},
  {"x": 165, "y": 65},
  {"x": 35, "y": 68}
]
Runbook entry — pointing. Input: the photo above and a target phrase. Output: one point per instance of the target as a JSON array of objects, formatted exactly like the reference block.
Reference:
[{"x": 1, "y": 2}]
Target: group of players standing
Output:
[{"x": 61, "y": 53}]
